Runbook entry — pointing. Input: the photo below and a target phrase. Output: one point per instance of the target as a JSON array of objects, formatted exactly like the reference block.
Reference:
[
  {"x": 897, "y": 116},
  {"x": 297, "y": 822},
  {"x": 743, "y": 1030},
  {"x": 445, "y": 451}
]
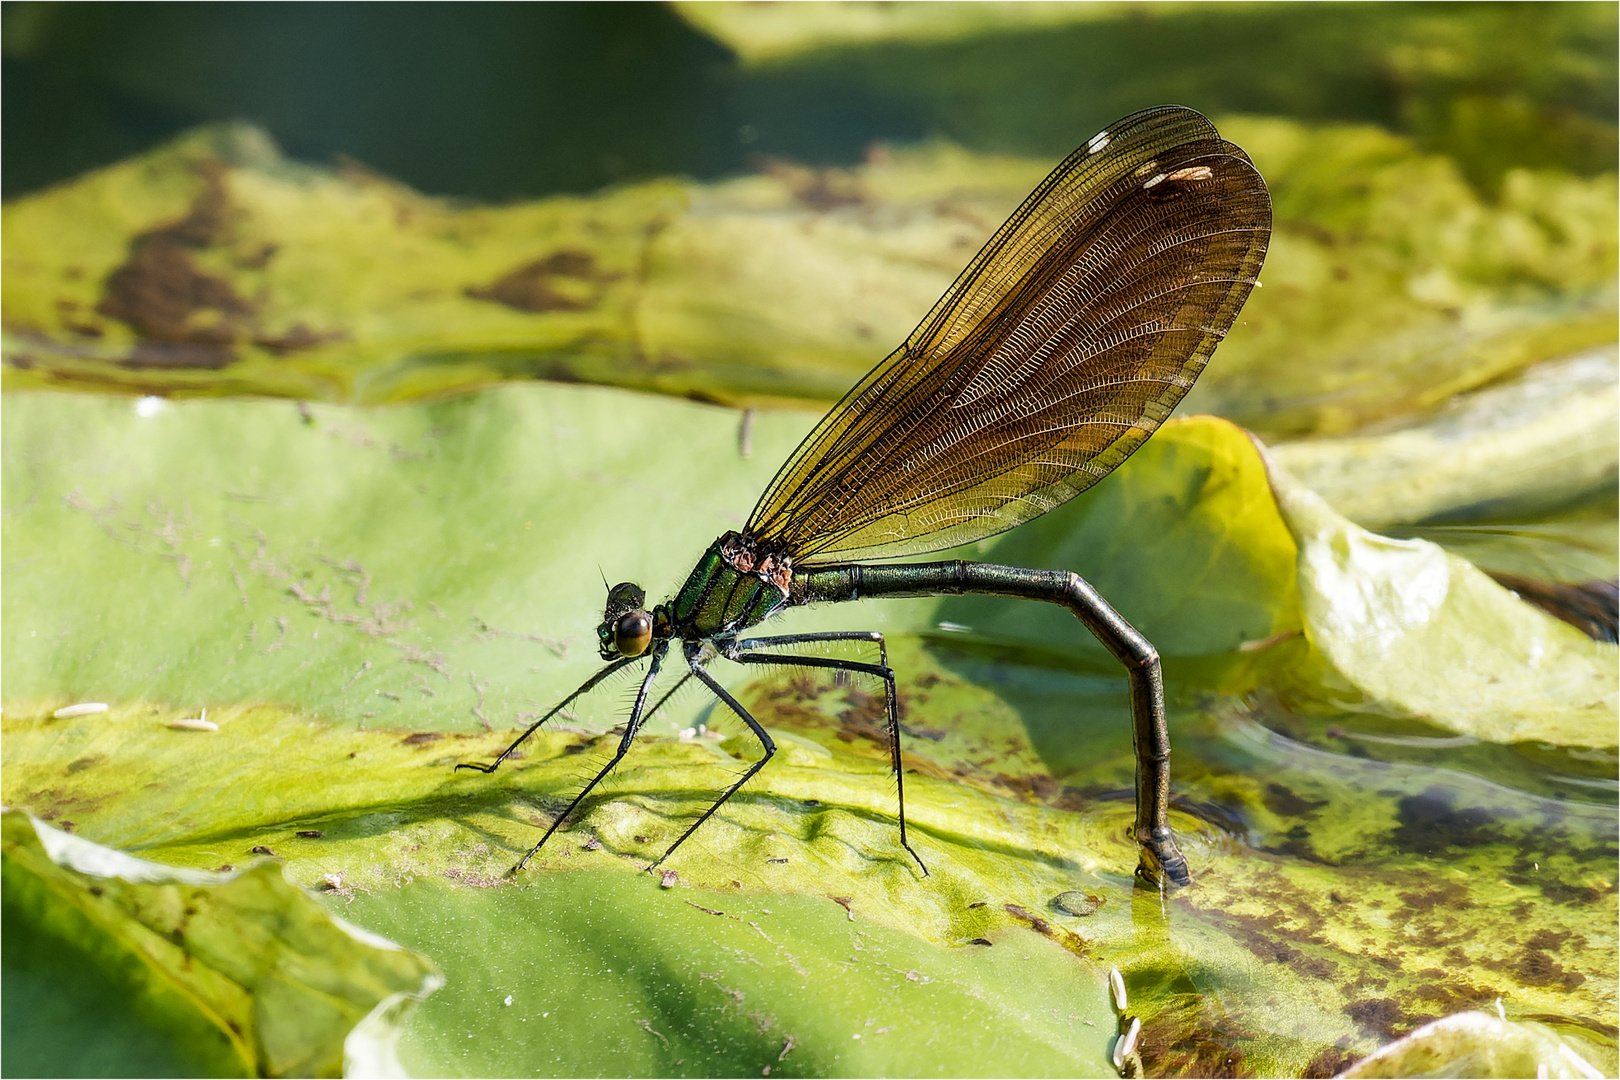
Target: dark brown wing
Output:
[{"x": 1058, "y": 351}]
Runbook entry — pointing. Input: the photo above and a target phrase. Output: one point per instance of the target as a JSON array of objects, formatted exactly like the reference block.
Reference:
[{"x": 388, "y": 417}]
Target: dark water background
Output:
[{"x": 497, "y": 101}]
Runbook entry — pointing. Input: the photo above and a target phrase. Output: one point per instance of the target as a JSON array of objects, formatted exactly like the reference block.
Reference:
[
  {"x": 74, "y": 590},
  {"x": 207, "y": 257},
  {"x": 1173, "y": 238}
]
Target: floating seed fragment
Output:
[
  {"x": 86, "y": 708},
  {"x": 1116, "y": 983},
  {"x": 195, "y": 723},
  {"x": 1125, "y": 1046}
]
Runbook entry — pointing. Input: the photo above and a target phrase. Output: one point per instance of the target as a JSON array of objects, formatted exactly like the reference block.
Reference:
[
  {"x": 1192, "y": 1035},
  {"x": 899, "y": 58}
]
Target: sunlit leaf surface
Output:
[
  {"x": 1536, "y": 445},
  {"x": 362, "y": 599}
]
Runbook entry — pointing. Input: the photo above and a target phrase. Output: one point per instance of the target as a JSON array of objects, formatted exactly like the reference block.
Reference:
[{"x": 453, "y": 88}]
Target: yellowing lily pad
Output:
[
  {"x": 1425, "y": 633},
  {"x": 214, "y": 266},
  {"x": 1512, "y": 451},
  {"x": 1483, "y": 1045}
]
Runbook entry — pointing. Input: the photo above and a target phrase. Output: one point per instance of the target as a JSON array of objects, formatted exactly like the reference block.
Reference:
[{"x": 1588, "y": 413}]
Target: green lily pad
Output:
[
  {"x": 1495, "y": 87},
  {"x": 1344, "y": 895},
  {"x": 244, "y": 973}
]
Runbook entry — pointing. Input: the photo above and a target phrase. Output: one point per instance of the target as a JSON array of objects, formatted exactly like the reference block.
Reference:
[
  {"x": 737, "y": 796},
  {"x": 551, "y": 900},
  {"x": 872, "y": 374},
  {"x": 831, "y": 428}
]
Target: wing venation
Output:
[{"x": 1059, "y": 349}]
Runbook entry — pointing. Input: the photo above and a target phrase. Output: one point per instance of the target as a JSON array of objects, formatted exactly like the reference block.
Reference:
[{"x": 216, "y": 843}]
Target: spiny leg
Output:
[
  {"x": 630, "y": 730},
  {"x": 589, "y": 683},
  {"x": 764, "y": 737},
  {"x": 821, "y": 635},
  {"x": 667, "y": 695},
  {"x": 883, "y": 671}
]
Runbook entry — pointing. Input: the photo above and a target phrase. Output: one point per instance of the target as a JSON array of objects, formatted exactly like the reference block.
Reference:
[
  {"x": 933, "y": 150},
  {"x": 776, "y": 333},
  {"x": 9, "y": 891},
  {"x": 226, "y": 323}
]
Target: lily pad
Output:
[
  {"x": 1425, "y": 633},
  {"x": 1483, "y": 1045},
  {"x": 1345, "y": 893},
  {"x": 1523, "y": 449},
  {"x": 1497, "y": 87},
  {"x": 244, "y": 973},
  {"x": 214, "y": 266}
]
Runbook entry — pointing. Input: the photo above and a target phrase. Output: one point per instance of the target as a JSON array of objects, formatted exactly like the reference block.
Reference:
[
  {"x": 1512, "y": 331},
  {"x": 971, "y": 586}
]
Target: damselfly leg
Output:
[
  {"x": 588, "y": 684},
  {"x": 1160, "y": 858},
  {"x": 630, "y": 729},
  {"x": 882, "y": 670},
  {"x": 693, "y": 652}
]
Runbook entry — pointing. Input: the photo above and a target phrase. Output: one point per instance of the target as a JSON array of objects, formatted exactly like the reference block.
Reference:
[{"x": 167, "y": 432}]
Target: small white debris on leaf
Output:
[
  {"x": 669, "y": 879},
  {"x": 1116, "y": 983},
  {"x": 509, "y": 999},
  {"x": 83, "y": 709},
  {"x": 195, "y": 723},
  {"x": 1125, "y": 1046}
]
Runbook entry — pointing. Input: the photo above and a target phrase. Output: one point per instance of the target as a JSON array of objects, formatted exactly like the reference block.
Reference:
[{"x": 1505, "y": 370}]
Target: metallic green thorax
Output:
[{"x": 719, "y": 598}]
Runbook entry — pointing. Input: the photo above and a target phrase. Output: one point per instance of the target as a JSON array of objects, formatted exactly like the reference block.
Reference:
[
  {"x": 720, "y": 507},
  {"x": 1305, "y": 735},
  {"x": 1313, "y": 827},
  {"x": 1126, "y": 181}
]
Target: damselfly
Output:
[{"x": 1060, "y": 349}]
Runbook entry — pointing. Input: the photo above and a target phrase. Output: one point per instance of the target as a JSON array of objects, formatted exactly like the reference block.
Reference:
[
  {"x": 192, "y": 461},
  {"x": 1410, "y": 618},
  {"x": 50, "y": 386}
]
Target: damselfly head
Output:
[{"x": 626, "y": 628}]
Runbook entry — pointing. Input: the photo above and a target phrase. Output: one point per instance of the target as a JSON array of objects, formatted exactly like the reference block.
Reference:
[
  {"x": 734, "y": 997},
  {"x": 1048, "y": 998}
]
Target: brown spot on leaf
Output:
[
  {"x": 1331, "y": 1061},
  {"x": 1265, "y": 938},
  {"x": 1033, "y": 787},
  {"x": 1452, "y": 896},
  {"x": 1382, "y": 1016},
  {"x": 1536, "y": 967},
  {"x": 1285, "y": 803},
  {"x": 819, "y": 189},
  {"x": 1187, "y": 1038},
  {"x": 183, "y": 316},
  {"x": 1565, "y": 892},
  {"x": 299, "y": 337},
  {"x": 1064, "y": 937},
  {"x": 421, "y": 738},
  {"x": 1430, "y": 823},
  {"x": 565, "y": 280}
]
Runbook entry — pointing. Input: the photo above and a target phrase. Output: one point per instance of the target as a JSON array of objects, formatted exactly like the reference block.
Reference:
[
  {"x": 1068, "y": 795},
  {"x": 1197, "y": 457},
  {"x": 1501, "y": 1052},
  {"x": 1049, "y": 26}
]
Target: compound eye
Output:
[{"x": 633, "y": 633}]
